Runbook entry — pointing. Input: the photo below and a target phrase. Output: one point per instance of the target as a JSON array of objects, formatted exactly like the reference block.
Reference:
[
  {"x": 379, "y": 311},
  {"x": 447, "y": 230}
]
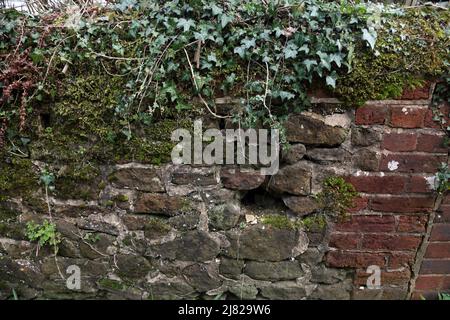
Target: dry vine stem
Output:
[{"x": 198, "y": 91}]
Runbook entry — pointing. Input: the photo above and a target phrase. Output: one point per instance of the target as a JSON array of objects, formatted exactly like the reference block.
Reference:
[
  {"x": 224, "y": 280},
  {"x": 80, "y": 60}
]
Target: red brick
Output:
[
  {"x": 346, "y": 259},
  {"x": 363, "y": 223},
  {"x": 412, "y": 223},
  {"x": 428, "y": 283},
  {"x": 446, "y": 199},
  {"x": 345, "y": 240},
  {"x": 446, "y": 283},
  {"x": 359, "y": 203},
  {"x": 402, "y": 204},
  {"x": 408, "y": 116},
  {"x": 417, "y": 93},
  {"x": 390, "y": 242},
  {"x": 399, "y": 141},
  {"x": 413, "y": 163},
  {"x": 440, "y": 232},
  {"x": 431, "y": 143},
  {"x": 371, "y": 114},
  {"x": 436, "y": 250},
  {"x": 435, "y": 266},
  {"x": 401, "y": 259},
  {"x": 430, "y": 123},
  {"x": 443, "y": 214},
  {"x": 387, "y": 277},
  {"x": 378, "y": 184},
  {"x": 419, "y": 184}
]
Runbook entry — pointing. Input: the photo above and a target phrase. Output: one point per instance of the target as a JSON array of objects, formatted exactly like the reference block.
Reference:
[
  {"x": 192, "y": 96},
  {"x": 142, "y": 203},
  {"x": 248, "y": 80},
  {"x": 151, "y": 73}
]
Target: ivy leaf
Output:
[
  {"x": 331, "y": 81},
  {"x": 285, "y": 95},
  {"x": 225, "y": 19},
  {"x": 370, "y": 37},
  {"x": 240, "y": 51},
  {"x": 290, "y": 51},
  {"x": 308, "y": 63},
  {"x": 304, "y": 48},
  {"x": 324, "y": 60},
  {"x": 216, "y": 10},
  {"x": 37, "y": 55},
  {"x": 337, "y": 59},
  {"x": 185, "y": 24}
]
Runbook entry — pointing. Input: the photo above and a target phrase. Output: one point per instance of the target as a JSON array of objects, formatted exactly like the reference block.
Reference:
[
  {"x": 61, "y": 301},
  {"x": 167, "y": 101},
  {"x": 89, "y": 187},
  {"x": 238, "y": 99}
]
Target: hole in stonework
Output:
[
  {"x": 261, "y": 201},
  {"x": 45, "y": 120}
]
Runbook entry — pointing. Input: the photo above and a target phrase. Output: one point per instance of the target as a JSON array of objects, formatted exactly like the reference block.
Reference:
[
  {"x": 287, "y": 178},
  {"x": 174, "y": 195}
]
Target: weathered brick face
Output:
[{"x": 398, "y": 201}]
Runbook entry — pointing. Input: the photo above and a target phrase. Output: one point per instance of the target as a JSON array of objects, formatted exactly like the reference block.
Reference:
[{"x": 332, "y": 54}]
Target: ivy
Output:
[{"x": 175, "y": 57}]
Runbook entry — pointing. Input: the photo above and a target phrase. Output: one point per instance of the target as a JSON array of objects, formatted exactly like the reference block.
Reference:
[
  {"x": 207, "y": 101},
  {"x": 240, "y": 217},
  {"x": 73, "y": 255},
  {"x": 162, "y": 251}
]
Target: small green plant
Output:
[
  {"x": 91, "y": 237},
  {"x": 44, "y": 234},
  {"x": 278, "y": 221},
  {"x": 444, "y": 296},
  {"x": 318, "y": 221},
  {"x": 337, "y": 197},
  {"x": 442, "y": 177}
]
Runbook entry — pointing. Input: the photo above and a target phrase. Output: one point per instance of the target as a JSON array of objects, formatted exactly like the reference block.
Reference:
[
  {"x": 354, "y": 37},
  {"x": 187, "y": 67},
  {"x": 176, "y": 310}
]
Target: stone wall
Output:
[{"x": 140, "y": 231}]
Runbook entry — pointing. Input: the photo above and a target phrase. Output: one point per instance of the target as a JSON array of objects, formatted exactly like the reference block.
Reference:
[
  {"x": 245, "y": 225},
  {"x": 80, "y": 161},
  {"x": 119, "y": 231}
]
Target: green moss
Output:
[
  {"x": 121, "y": 198},
  {"x": 155, "y": 228},
  {"x": 278, "y": 221},
  {"x": 17, "y": 177},
  {"x": 314, "y": 222},
  {"x": 111, "y": 284},
  {"x": 337, "y": 197},
  {"x": 409, "y": 49},
  {"x": 78, "y": 181}
]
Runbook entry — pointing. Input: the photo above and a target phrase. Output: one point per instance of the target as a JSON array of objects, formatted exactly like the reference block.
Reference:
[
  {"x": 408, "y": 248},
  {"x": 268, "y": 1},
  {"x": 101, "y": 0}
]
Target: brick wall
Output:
[
  {"x": 402, "y": 149},
  {"x": 434, "y": 273}
]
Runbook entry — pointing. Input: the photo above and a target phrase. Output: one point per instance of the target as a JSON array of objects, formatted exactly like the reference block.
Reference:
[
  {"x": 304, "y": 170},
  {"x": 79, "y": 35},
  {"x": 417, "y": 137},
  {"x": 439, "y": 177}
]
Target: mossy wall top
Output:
[{"x": 97, "y": 78}]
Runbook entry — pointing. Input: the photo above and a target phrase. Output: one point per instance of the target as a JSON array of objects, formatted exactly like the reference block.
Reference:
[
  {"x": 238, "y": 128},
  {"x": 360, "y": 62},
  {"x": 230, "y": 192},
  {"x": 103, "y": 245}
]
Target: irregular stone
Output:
[
  {"x": 195, "y": 176},
  {"x": 224, "y": 216},
  {"x": 98, "y": 226},
  {"x": 201, "y": 277},
  {"x": 294, "y": 179},
  {"x": 312, "y": 130},
  {"x": 154, "y": 203},
  {"x": 135, "y": 222},
  {"x": 184, "y": 222},
  {"x": 241, "y": 179},
  {"x": 274, "y": 271},
  {"x": 231, "y": 268},
  {"x": 96, "y": 245},
  {"x": 189, "y": 246},
  {"x": 325, "y": 155},
  {"x": 155, "y": 228},
  {"x": 68, "y": 248},
  {"x": 87, "y": 267},
  {"x": 15, "y": 249},
  {"x": 20, "y": 271},
  {"x": 164, "y": 288},
  {"x": 143, "y": 179},
  {"x": 294, "y": 154},
  {"x": 264, "y": 243},
  {"x": 338, "y": 291},
  {"x": 131, "y": 266},
  {"x": 243, "y": 290},
  {"x": 366, "y": 160},
  {"x": 311, "y": 256},
  {"x": 365, "y": 137},
  {"x": 301, "y": 205},
  {"x": 284, "y": 290},
  {"x": 322, "y": 274}
]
